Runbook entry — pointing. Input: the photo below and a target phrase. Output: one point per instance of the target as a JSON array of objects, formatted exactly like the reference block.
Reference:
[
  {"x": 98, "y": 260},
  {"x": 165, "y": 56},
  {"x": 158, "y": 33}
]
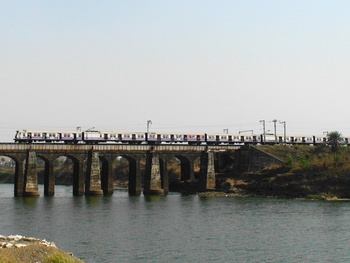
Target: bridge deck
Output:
[{"x": 115, "y": 147}]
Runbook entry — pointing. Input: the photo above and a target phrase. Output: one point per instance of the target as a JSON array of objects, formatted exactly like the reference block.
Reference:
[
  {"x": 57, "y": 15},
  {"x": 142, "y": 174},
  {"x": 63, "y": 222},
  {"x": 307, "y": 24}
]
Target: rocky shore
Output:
[{"x": 17, "y": 249}]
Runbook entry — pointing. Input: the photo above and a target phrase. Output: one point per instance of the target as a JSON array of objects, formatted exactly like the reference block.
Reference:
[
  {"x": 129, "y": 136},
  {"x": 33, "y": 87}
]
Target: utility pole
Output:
[
  {"x": 149, "y": 122},
  {"x": 274, "y": 124},
  {"x": 284, "y": 129},
  {"x": 264, "y": 132}
]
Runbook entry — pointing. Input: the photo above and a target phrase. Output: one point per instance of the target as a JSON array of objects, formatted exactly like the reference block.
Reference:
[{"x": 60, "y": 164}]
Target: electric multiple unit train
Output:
[{"x": 96, "y": 137}]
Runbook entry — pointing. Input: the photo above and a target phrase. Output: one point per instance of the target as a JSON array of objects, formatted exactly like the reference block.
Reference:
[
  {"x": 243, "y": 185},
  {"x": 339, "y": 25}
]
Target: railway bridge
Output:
[{"x": 92, "y": 173}]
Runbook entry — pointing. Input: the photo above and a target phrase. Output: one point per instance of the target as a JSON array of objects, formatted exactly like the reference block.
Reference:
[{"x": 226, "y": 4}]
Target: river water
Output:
[{"x": 176, "y": 228}]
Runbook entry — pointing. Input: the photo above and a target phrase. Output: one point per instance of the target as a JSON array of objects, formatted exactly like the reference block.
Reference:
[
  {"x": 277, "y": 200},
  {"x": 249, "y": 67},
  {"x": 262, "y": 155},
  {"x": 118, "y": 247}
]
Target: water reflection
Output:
[
  {"x": 29, "y": 201},
  {"x": 93, "y": 200},
  {"x": 154, "y": 198}
]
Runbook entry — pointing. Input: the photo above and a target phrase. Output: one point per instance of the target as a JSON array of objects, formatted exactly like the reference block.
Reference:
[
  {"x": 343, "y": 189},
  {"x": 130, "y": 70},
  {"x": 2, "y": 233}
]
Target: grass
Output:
[
  {"x": 312, "y": 158},
  {"x": 36, "y": 253},
  {"x": 313, "y": 172}
]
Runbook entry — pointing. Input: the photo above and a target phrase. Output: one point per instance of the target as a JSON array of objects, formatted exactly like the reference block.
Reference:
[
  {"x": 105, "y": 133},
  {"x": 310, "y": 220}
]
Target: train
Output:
[{"x": 153, "y": 138}]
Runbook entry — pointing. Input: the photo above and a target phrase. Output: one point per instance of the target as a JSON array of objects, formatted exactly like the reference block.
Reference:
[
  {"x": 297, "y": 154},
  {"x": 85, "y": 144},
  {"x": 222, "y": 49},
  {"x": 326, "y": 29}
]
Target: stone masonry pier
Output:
[{"x": 92, "y": 173}]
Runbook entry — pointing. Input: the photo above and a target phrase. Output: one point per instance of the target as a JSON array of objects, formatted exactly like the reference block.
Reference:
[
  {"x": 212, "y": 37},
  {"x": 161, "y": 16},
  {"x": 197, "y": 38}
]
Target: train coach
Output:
[
  {"x": 96, "y": 137},
  {"x": 75, "y": 137},
  {"x": 299, "y": 139},
  {"x": 27, "y": 136}
]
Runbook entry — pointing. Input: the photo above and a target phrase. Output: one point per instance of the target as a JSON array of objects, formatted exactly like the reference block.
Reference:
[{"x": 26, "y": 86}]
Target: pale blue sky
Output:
[{"x": 200, "y": 66}]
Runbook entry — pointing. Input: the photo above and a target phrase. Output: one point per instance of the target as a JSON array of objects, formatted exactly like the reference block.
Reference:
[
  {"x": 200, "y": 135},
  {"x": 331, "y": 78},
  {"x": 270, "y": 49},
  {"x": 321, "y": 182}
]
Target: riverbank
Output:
[
  {"x": 18, "y": 249},
  {"x": 312, "y": 172}
]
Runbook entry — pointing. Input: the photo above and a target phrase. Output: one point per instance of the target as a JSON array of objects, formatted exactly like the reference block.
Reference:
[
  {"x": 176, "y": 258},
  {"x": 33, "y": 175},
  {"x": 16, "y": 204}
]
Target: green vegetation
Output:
[
  {"x": 59, "y": 257},
  {"x": 306, "y": 171},
  {"x": 36, "y": 253},
  {"x": 311, "y": 159},
  {"x": 335, "y": 139}
]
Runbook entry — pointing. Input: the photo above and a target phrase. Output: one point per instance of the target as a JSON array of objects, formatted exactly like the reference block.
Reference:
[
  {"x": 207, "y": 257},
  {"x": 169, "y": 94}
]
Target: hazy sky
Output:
[{"x": 200, "y": 66}]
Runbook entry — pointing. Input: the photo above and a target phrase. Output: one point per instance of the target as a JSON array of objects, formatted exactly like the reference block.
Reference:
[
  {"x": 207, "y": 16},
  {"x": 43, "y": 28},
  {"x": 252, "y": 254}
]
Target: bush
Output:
[
  {"x": 36, "y": 253},
  {"x": 304, "y": 163},
  {"x": 59, "y": 257},
  {"x": 289, "y": 162}
]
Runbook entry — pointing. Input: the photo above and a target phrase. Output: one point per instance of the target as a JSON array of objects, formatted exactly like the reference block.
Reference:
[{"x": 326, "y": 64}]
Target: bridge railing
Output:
[{"x": 114, "y": 147}]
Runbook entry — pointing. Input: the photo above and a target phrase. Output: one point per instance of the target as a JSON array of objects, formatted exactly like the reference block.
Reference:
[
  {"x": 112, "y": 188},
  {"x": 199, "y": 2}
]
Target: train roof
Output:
[{"x": 47, "y": 131}]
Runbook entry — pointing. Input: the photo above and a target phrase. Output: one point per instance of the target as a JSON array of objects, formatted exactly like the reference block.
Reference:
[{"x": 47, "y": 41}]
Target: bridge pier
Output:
[
  {"x": 93, "y": 175},
  {"x": 187, "y": 168},
  {"x": 78, "y": 179},
  {"x": 107, "y": 175},
  {"x": 156, "y": 179},
  {"x": 19, "y": 176},
  {"x": 134, "y": 187},
  {"x": 31, "y": 176},
  {"x": 49, "y": 179},
  {"x": 207, "y": 180}
]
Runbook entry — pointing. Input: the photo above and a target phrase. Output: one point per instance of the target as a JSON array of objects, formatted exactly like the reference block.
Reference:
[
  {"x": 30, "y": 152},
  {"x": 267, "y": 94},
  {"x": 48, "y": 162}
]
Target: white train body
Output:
[{"x": 95, "y": 137}]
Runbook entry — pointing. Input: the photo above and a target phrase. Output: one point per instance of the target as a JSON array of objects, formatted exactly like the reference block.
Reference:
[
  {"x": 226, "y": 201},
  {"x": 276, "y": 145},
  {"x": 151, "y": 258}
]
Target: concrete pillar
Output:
[
  {"x": 107, "y": 176},
  {"x": 49, "y": 180},
  {"x": 187, "y": 169},
  {"x": 207, "y": 171},
  {"x": 165, "y": 176},
  {"x": 134, "y": 187},
  {"x": 19, "y": 177},
  {"x": 78, "y": 178},
  {"x": 31, "y": 176},
  {"x": 191, "y": 167},
  {"x": 153, "y": 179},
  {"x": 93, "y": 178}
]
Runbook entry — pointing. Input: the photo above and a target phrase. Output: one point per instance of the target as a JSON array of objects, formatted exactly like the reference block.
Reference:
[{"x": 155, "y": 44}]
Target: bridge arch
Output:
[
  {"x": 133, "y": 167},
  {"x": 156, "y": 157},
  {"x": 73, "y": 166},
  {"x": 183, "y": 171},
  {"x": 8, "y": 167}
]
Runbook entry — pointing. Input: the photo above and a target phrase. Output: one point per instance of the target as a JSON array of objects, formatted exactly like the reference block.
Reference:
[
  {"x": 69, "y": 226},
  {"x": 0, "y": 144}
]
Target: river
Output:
[{"x": 176, "y": 228}]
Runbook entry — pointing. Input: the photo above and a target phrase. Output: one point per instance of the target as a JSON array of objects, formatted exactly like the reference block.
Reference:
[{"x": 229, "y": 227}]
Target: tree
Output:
[{"x": 335, "y": 139}]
